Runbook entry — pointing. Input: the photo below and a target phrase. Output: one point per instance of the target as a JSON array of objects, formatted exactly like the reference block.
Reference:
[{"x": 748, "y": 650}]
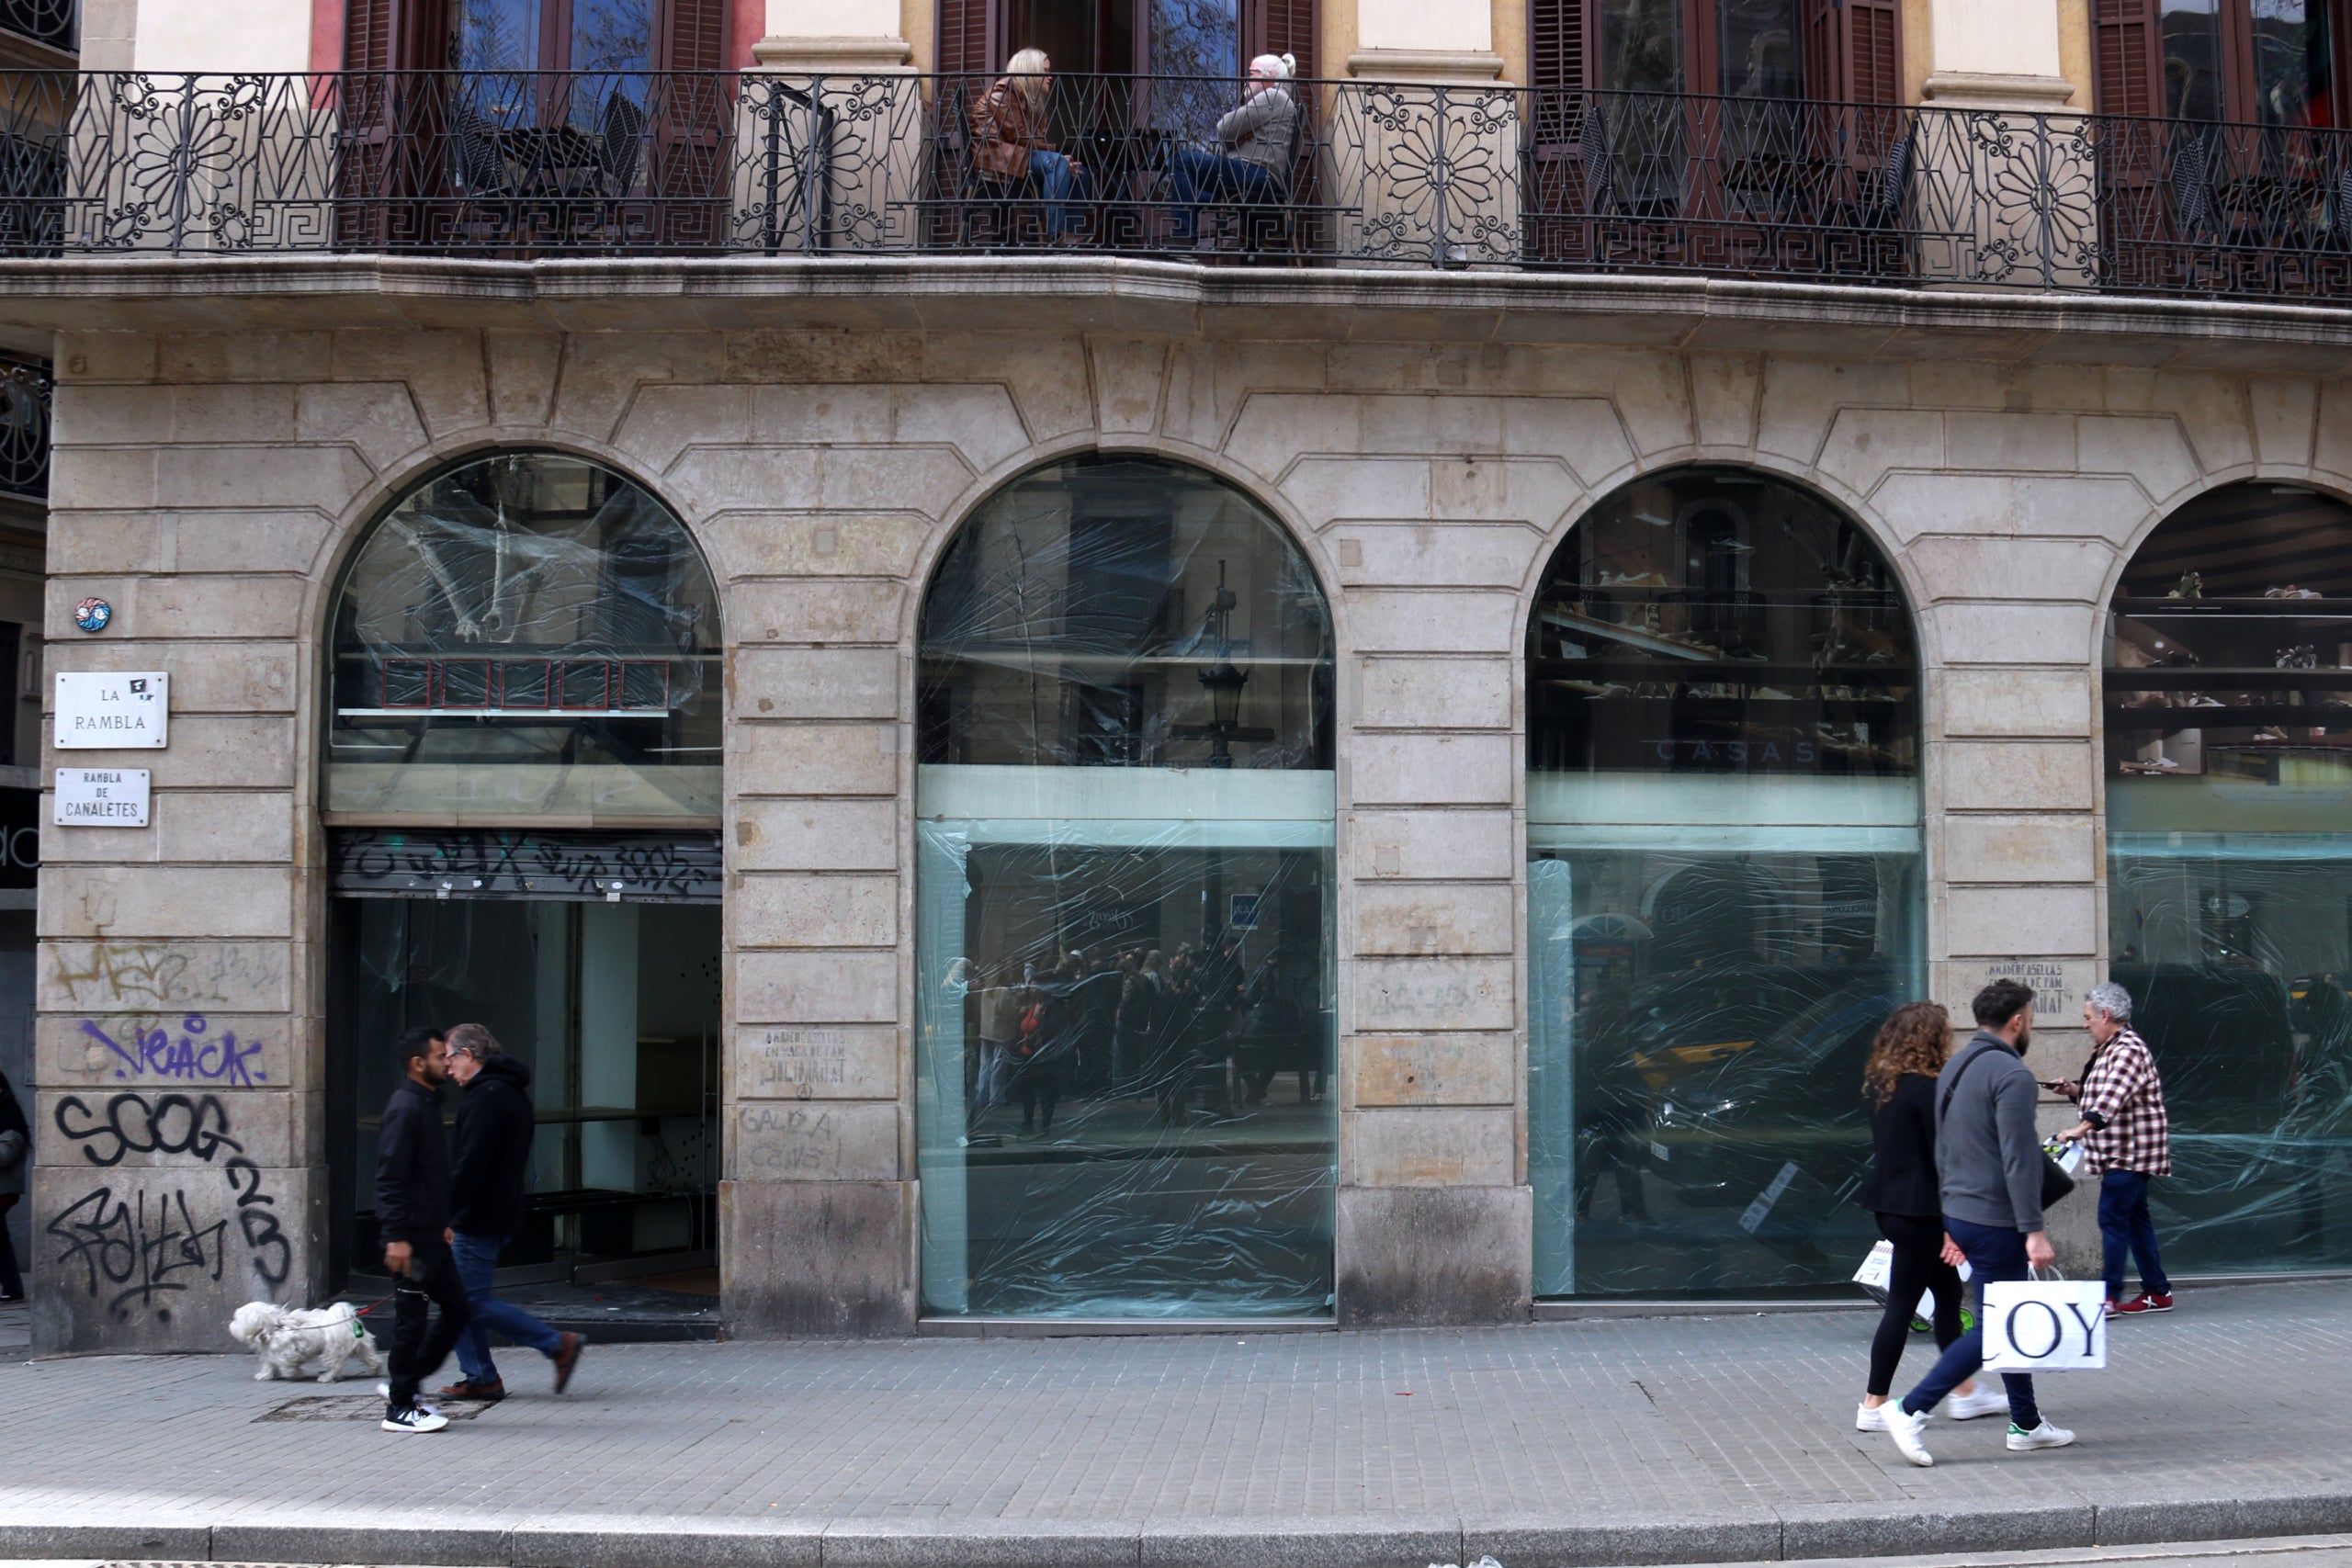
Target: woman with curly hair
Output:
[{"x": 1899, "y": 1086}]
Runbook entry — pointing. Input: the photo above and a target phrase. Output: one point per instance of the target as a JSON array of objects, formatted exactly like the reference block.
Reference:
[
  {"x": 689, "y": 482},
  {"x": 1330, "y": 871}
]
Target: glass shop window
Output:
[
  {"x": 1724, "y": 885},
  {"x": 1124, "y": 945},
  {"x": 2229, "y": 766},
  {"x": 529, "y": 635},
  {"x": 614, "y": 1008}
]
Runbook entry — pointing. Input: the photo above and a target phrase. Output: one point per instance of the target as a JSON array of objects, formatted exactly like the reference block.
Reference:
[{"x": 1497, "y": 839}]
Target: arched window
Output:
[
  {"x": 1725, "y": 883},
  {"x": 2229, "y": 766},
  {"x": 1124, "y": 804},
  {"x": 529, "y": 635}
]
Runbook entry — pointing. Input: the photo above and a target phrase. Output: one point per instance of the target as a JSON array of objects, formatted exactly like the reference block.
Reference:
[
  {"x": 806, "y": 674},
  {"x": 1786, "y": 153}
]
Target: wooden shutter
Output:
[
  {"x": 1556, "y": 46},
  {"x": 1853, "y": 50},
  {"x": 1280, "y": 27},
  {"x": 395, "y": 35},
  {"x": 965, "y": 48},
  {"x": 693, "y": 36},
  {"x": 2131, "y": 75}
]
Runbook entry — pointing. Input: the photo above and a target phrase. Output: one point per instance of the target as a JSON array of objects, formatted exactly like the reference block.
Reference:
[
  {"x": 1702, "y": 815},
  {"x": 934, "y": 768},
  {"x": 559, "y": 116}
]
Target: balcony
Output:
[{"x": 521, "y": 165}]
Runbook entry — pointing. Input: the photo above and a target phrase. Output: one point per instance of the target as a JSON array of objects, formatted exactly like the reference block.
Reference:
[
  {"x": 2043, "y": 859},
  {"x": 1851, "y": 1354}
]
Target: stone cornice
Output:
[{"x": 1062, "y": 294}]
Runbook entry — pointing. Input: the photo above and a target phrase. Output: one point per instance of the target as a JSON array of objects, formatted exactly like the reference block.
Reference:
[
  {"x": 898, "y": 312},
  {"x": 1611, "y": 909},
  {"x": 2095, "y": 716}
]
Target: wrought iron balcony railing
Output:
[
  {"x": 43, "y": 21},
  {"x": 522, "y": 164},
  {"x": 24, "y": 429}
]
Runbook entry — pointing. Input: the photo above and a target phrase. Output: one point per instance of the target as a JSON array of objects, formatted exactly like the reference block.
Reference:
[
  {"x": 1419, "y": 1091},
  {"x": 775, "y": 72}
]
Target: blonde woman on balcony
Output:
[
  {"x": 1008, "y": 141},
  {"x": 1251, "y": 164}
]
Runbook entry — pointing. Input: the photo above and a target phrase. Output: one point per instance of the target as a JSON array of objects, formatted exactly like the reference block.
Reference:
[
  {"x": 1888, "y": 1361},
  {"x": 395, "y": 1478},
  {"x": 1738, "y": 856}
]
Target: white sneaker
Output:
[
  {"x": 2043, "y": 1437},
  {"x": 1870, "y": 1418},
  {"x": 1906, "y": 1430},
  {"x": 384, "y": 1391},
  {"x": 417, "y": 1419},
  {"x": 1990, "y": 1399}
]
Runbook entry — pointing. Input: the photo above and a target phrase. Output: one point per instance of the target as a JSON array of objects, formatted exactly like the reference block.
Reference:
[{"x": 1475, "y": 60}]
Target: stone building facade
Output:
[{"x": 229, "y": 433}]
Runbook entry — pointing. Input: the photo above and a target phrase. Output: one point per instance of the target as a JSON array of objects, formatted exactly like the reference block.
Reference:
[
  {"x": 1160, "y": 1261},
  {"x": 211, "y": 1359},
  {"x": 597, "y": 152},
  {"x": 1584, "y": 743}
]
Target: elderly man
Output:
[{"x": 2126, "y": 1140}]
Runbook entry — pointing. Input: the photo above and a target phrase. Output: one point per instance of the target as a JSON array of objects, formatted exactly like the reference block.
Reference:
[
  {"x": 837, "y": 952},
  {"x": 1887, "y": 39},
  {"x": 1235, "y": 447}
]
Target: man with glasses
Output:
[{"x": 495, "y": 1124}]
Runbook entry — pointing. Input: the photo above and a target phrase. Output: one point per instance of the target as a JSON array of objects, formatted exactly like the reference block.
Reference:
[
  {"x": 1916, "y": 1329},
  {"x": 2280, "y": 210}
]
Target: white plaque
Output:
[
  {"x": 114, "y": 711},
  {"x": 101, "y": 797}
]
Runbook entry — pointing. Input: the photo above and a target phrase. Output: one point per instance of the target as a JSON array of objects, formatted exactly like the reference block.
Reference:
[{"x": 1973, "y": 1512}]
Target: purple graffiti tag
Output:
[{"x": 155, "y": 1053}]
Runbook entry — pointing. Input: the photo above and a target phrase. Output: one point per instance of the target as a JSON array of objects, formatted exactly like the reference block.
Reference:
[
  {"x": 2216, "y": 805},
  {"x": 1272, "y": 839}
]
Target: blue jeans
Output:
[
  {"x": 477, "y": 1258},
  {"x": 1058, "y": 180},
  {"x": 1194, "y": 177},
  {"x": 2124, "y": 1228},
  {"x": 1994, "y": 1253}
]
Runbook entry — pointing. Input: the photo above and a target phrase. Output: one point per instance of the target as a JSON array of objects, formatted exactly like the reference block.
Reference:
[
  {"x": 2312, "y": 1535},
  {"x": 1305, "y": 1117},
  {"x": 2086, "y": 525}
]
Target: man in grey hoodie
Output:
[{"x": 1988, "y": 1164}]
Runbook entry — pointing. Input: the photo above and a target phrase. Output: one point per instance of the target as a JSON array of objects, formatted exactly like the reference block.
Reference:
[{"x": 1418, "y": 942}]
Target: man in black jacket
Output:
[
  {"x": 413, "y": 1218},
  {"x": 494, "y": 1127}
]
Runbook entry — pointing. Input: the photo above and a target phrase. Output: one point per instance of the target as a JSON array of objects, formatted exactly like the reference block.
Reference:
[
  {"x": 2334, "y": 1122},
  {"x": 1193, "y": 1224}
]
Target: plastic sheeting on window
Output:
[
  {"x": 528, "y": 635},
  {"x": 1124, "y": 948},
  {"x": 1700, "y": 1021},
  {"x": 1120, "y": 1117},
  {"x": 2239, "y": 962}
]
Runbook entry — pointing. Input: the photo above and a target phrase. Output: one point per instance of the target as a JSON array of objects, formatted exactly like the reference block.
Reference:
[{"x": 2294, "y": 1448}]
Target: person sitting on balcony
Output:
[
  {"x": 1008, "y": 141},
  {"x": 1252, "y": 164}
]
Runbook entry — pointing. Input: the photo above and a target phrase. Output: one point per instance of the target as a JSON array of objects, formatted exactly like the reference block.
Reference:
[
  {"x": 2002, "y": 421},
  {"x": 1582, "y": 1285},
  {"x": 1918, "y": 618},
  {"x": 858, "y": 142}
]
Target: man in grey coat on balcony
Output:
[{"x": 1251, "y": 166}]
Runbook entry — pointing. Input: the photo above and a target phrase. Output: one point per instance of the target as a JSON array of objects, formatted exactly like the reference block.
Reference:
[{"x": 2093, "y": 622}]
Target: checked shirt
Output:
[{"x": 2124, "y": 1100}]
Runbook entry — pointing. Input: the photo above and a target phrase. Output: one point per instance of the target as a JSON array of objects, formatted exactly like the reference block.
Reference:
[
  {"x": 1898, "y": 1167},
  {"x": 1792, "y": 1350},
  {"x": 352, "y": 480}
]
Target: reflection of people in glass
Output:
[
  {"x": 1252, "y": 160},
  {"x": 1899, "y": 1086},
  {"x": 1008, "y": 140},
  {"x": 1000, "y": 1033}
]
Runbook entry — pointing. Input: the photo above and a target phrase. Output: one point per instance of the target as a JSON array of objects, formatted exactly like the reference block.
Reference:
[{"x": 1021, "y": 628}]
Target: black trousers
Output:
[
  {"x": 12, "y": 1284},
  {"x": 431, "y": 1281},
  {"x": 1919, "y": 1267}
]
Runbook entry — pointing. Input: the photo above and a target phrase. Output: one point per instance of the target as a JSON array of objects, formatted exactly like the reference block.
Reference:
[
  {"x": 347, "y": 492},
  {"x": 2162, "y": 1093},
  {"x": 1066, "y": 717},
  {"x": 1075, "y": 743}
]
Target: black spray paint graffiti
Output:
[
  {"x": 139, "y": 1247},
  {"x": 155, "y": 1053},
  {"x": 488, "y": 865}
]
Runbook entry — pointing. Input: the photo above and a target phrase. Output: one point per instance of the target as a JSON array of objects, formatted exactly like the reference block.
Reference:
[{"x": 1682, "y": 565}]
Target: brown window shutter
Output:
[
  {"x": 964, "y": 47},
  {"x": 395, "y": 35},
  {"x": 1853, "y": 50},
  {"x": 1556, "y": 46},
  {"x": 2124, "y": 34},
  {"x": 1280, "y": 27},
  {"x": 693, "y": 36}
]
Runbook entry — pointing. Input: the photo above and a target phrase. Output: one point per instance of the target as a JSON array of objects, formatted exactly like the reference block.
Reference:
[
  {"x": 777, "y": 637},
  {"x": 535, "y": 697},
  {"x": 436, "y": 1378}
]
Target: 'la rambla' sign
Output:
[{"x": 111, "y": 710}]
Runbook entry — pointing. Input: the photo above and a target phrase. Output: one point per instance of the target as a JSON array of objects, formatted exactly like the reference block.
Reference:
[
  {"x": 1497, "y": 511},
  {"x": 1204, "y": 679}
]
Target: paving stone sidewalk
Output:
[{"x": 1713, "y": 1438}]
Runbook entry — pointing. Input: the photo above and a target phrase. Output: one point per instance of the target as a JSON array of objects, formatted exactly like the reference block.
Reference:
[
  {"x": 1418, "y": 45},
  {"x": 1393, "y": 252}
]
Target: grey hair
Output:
[{"x": 2111, "y": 1000}]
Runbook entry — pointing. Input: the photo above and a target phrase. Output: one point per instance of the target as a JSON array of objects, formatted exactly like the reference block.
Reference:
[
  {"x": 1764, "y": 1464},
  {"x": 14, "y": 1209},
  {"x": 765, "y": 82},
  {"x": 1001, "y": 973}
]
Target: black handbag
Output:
[{"x": 2055, "y": 1182}]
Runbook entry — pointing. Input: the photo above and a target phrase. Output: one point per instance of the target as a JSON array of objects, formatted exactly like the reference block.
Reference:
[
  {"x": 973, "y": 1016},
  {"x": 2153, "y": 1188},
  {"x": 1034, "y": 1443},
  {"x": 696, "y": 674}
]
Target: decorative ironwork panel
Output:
[
  {"x": 43, "y": 21},
  {"x": 25, "y": 393}
]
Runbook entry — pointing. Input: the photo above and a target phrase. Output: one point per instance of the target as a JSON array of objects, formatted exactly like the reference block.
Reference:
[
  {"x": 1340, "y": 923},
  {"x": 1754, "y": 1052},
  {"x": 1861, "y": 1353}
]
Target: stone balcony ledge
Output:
[{"x": 920, "y": 293}]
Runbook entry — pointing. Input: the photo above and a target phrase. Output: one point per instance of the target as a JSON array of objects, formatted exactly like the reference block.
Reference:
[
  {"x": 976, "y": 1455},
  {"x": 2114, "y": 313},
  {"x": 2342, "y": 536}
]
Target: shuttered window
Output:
[
  {"x": 1280, "y": 26},
  {"x": 2247, "y": 60},
  {"x": 1852, "y": 49}
]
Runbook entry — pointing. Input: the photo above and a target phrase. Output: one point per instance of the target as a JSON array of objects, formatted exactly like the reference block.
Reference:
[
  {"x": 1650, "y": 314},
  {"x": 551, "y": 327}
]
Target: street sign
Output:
[
  {"x": 101, "y": 797},
  {"x": 112, "y": 710}
]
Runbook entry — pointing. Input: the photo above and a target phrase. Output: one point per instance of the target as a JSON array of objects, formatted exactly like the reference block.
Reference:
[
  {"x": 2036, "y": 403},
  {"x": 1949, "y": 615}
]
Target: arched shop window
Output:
[
  {"x": 1124, "y": 804},
  {"x": 1724, "y": 887},
  {"x": 528, "y": 635},
  {"x": 523, "y": 753},
  {"x": 2229, "y": 768}
]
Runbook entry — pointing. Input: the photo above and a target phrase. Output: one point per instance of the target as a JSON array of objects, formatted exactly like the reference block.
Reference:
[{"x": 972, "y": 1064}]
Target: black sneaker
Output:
[{"x": 413, "y": 1419}]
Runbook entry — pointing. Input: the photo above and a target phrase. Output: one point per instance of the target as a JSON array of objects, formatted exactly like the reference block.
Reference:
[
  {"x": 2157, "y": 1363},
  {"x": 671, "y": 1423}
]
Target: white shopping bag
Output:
[
  {"x": 1877, "y": 1270},
  {"x": 2046, "y": 1326}
]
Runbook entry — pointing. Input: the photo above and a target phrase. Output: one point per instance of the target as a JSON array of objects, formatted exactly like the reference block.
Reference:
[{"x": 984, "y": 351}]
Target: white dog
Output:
[{"x": 291, "y": 1341}]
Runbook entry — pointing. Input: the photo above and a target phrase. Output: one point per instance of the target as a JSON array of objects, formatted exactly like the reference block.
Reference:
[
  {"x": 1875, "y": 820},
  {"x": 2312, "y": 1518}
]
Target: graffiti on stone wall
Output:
[
  {"x": 190, "y": 1055},
  {"x": 159, "y": 977},
  {"x": 135, "y": 1249}
]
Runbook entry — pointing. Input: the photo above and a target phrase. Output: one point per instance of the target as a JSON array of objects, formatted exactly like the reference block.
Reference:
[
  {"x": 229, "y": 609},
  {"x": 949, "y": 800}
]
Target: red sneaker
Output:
[{"x": 2145, "y": 1301}]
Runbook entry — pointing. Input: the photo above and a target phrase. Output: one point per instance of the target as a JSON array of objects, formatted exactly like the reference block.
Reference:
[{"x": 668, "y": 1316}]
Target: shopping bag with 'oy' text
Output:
[{"x": 2046, "y": 1326}]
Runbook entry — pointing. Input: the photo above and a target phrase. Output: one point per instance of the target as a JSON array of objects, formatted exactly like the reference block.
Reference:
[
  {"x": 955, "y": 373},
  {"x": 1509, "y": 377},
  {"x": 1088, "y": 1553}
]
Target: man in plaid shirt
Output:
[{"x": 2126, "y": 1139}]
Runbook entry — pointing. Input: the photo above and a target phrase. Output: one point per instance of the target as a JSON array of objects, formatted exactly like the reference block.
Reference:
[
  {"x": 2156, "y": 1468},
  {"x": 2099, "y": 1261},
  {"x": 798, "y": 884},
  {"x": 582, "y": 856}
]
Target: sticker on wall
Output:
[
  {"x": 112, "y": 710},
  {"x": 92, "y": 614}
]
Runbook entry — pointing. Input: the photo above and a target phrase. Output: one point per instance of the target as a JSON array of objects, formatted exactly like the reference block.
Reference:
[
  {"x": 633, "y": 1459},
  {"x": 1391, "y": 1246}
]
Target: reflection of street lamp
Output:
[{"x": 1222, "y": 680}]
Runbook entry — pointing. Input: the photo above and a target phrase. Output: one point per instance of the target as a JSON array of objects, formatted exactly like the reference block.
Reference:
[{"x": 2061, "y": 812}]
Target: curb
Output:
[{"x": 1590, "y": 1540}]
